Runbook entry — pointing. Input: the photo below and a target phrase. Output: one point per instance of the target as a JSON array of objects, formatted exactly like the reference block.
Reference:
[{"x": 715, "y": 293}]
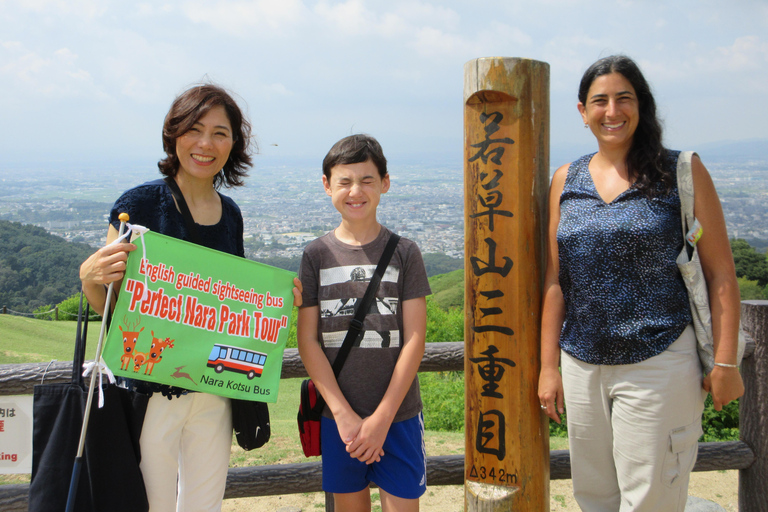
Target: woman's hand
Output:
[
  {"x": 106, "y": 265},
  {"x": 725, "y": 385},
  {"x": 551, "y": 392}
]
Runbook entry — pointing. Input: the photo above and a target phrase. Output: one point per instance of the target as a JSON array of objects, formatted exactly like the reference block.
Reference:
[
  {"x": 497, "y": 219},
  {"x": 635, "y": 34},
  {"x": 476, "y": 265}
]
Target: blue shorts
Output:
[{"x": 401, "y": 472}]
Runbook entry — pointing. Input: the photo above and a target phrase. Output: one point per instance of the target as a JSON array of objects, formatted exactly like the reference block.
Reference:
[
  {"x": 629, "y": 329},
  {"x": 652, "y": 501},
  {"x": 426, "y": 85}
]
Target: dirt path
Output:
[{"x": 720, "y": 487}]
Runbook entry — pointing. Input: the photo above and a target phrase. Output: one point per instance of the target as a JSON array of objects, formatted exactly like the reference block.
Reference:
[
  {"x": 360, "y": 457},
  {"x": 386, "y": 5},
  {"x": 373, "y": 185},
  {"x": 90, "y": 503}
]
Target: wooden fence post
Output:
[
  {"x": 753, "y": 408},
  {"x": 506, "y": 174}
]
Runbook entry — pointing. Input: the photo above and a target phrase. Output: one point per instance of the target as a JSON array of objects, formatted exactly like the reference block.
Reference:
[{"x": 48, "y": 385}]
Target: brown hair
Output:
[
  {"x": 355, "y": 149},
  {"x": 186, "y": 110},
  {"x": 647, "y": 157}
]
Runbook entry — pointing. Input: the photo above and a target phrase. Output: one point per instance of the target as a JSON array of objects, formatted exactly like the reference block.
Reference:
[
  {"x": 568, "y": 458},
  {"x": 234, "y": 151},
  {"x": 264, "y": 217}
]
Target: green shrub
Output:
[
  {"x": 443, "y": 397},
  {"x": 443, "y": 392},
  {"x": 292, "y": 341},
  {"x": 44, "y": 312},
  {"x": 720, "y": 426},
  {"x": 751, "y": 290},
  {"x": 68, "y": 308},
  {"x": 559, "y": 429},
  {"x": 444, "y": 324}
]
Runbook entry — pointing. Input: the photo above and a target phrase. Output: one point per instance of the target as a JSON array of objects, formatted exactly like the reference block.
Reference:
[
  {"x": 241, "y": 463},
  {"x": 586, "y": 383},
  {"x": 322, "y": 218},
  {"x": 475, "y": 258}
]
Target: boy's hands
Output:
[
  {"x": 367, "y": 445},
  {"x": 364, "y": 437},
  {"x": 348, "y": 424}
]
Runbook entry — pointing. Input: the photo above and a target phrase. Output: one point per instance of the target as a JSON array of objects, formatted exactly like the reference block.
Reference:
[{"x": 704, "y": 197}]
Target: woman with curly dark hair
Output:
[
  {"x": 186, "y": 437},
  {"x": 616, "y": 316}
]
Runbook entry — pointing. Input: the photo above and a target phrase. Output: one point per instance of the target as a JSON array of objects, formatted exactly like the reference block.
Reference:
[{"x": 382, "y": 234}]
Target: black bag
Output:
[
  {"x": 250, "y": 421},
  {"x": 110, "y": 478}
]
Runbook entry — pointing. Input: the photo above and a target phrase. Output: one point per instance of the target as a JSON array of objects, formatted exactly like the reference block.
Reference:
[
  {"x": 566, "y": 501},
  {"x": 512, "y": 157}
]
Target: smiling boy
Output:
[{"x": 372, "y": 426}]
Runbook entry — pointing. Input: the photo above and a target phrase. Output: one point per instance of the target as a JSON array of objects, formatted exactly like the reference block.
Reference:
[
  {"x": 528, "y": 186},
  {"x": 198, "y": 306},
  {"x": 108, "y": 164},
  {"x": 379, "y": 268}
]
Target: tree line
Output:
[
  {"x": 39, "y": 270},
  {"x": 751, "y": 270}
]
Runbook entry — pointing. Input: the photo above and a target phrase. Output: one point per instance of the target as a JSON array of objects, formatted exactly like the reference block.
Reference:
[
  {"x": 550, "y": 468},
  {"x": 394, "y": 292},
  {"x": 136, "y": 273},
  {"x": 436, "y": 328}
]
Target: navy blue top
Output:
[
  {"x": 625, "y": 300},
  {"x": 151, "y": 205}
]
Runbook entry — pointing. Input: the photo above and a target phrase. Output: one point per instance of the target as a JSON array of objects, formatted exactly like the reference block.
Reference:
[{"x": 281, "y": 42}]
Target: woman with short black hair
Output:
[{"x": 186, "y": 438}]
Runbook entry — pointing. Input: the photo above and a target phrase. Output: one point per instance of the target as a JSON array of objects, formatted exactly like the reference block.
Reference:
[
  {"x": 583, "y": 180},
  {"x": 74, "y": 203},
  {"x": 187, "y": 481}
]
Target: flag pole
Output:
[{"x": 89, "y": 400}]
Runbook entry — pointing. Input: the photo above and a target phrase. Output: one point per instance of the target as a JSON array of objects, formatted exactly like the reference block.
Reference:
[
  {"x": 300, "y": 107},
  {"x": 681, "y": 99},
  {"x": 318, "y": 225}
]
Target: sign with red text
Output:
[
  {"x": 200, "y": 319},
  {"x": 15, "y": 434}
]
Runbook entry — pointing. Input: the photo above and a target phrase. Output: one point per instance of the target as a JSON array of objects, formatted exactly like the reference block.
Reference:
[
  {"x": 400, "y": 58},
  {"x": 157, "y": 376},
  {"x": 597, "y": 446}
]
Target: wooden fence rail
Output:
[
  {"x": 749, "y": 455},
  {"x": 280, "y": 479},
  {"x": 20, "y": 379}
]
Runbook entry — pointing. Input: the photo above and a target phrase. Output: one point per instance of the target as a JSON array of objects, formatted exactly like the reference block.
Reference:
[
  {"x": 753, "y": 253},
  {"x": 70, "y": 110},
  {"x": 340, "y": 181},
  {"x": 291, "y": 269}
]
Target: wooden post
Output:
[
  {"x": 56, "y": 313},
  {"x": 506, "y": 174},
  {"x": 753, "y": 408}
]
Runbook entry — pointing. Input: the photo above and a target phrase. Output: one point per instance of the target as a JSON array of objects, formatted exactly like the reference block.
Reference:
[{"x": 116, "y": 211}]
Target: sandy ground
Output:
[{"x": 720, "y": 487}]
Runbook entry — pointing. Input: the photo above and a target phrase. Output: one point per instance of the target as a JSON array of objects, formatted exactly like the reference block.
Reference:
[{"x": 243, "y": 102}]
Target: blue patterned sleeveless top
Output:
[{"x": 625, "y": 300}]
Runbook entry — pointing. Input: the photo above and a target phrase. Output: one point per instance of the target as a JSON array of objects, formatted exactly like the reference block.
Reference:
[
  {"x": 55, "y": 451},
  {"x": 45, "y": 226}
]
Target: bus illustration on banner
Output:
[{"x": 236, "y": 359}]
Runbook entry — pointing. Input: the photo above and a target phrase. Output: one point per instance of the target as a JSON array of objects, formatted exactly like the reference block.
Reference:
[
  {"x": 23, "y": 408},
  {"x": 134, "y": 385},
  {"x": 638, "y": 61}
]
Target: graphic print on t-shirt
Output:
[{"x": 380, "y": 321}]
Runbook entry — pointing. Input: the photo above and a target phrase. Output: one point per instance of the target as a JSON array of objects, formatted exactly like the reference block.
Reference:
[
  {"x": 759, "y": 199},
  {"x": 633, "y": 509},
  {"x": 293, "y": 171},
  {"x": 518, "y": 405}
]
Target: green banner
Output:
[{"x": 200, "y": 319}]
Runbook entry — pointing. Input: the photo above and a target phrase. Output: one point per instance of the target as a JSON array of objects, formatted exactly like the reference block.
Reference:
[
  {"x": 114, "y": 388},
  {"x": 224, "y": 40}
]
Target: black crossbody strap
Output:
[
  {"x": 363, "y": 305},
  {"x": 182, "y": 204},
  {"x": 356, "y": 326}
]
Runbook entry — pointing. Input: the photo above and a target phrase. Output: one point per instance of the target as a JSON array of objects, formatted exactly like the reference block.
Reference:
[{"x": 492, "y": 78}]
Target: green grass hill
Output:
[
  {"x": 448, "y": 289},
  {"x": 28, "y": 340}
]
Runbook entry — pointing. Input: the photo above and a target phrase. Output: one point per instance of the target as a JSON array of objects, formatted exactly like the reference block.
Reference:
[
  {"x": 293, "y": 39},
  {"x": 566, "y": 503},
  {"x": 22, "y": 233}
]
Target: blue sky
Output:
[{"x": 87, "y": 80}]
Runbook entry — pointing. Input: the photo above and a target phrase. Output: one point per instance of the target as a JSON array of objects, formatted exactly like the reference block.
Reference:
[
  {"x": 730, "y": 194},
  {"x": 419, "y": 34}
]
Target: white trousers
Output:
[
  {"x": 633, "y": 429},
  {"x": 185, "y": 449}
]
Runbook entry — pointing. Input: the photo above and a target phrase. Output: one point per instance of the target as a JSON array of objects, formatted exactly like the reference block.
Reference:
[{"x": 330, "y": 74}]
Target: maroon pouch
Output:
[{"x": 308, "y": 419}]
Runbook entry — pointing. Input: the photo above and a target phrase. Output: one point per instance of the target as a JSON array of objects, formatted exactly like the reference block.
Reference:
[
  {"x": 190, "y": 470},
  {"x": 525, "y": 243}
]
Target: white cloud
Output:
[
  {"x": 148, "y": 10},
  {"x": 745, "y": 54},
  {"x": 419, "y": 13},
  {"x": 430, "y": 41},
  {"x": 429, "y": 29},
  {"x": 53, "y": 76},
  {"x": 349, "y": 17},
  {"x": 369, "y": 61},
  {"x": 85, "y": 9},
  {"x": 741, "y": 65},
  {"x": 143, "y": 70},
  {"x": 248, "y": 18}
]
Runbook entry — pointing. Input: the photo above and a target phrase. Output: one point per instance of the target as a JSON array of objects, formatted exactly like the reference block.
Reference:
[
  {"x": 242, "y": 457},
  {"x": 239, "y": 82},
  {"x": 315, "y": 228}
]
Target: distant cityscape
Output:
[{"x": 285, "y": 207}]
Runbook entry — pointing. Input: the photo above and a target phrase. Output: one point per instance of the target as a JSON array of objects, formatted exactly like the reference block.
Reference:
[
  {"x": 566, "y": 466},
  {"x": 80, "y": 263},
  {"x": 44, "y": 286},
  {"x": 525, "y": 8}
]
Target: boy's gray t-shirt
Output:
[{"x": 334, "y": 276}]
